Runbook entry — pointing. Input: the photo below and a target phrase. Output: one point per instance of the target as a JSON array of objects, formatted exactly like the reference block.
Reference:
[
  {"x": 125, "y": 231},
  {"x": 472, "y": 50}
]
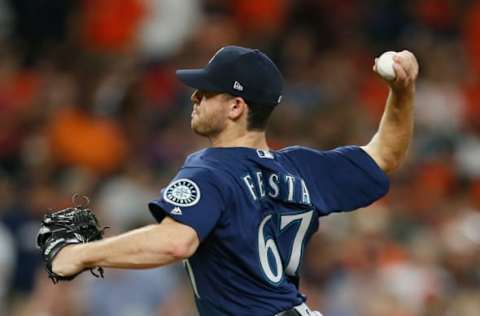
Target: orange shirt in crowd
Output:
[
  {"x": 111, "y": 25},
  {"x": 260, "y": 16},
  {"x": 78, "y": 138}
]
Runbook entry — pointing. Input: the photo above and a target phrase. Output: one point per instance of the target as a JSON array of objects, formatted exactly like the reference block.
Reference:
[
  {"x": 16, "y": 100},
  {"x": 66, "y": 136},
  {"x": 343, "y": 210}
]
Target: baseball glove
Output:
[{"x": 73, "y": 225}]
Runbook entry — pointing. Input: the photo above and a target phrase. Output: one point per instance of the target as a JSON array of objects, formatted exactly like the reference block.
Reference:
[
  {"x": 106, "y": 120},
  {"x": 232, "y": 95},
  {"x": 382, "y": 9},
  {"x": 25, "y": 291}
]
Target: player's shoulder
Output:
[
  {"x": 195, "y": 158},
  {"x": 217, "y": 157},
  {"x": 202, "y": 157},
  {"x": 200, "y": 170},
  {"x": 202, "y": 163}
]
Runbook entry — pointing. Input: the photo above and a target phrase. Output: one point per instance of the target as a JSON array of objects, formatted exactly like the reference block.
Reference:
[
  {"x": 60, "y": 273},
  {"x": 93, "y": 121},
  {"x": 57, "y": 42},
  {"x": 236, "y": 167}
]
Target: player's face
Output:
[{"x": 210, "y": 112}]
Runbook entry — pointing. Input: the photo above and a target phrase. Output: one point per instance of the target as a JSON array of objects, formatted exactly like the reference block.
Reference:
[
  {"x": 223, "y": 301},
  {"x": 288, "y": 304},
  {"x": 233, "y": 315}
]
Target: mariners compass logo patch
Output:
[{"x": 182, "y": 192}]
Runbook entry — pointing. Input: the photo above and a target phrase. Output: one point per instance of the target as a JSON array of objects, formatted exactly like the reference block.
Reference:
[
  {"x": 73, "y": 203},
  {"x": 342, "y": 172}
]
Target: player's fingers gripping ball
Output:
[
  {"x": 400, "y": 69},
  {"x": 73, "y": 225}
]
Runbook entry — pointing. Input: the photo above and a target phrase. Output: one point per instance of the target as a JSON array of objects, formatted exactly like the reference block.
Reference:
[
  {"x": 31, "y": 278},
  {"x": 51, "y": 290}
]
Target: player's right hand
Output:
[{"x": 406, "y": 72}]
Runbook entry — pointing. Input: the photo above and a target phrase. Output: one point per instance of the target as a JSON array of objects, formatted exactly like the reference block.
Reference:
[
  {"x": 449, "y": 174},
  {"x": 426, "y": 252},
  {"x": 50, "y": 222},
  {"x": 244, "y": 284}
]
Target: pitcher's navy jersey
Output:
[{"x": 254, "y": 211}]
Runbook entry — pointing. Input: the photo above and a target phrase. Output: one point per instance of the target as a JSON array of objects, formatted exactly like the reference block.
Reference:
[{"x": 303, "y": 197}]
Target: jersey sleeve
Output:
[
  {"x": 193, "y": 198},
  {"x": 342, "y": 179}
]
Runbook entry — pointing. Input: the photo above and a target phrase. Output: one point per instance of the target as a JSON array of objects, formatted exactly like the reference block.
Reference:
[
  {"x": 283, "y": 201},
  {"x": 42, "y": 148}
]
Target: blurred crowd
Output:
[{"x": 89, "y": 103}]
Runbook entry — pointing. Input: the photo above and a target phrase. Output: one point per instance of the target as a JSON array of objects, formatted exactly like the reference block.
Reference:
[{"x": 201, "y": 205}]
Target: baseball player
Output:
[{"x": 240, "y": 214}]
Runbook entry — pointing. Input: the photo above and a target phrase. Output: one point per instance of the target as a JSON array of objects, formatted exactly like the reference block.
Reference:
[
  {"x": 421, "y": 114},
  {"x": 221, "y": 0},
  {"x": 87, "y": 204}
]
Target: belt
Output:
[{"x": 299, "y": 310}]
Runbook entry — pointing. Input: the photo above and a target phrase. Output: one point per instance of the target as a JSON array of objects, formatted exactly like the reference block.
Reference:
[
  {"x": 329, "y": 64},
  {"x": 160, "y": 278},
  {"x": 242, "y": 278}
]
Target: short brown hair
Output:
[{"x": 258, "y": 115}]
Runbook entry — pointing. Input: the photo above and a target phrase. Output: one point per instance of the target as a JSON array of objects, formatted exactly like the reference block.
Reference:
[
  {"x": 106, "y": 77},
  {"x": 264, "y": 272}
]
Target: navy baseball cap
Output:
[{"x": 239, "y": 71}]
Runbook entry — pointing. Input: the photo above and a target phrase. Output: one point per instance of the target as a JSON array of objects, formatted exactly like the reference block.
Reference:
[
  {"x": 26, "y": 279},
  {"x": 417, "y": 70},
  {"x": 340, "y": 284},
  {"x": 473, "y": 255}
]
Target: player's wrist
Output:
[
  {"x": 84, "y": 255},
  {"x": 67, "y": 260},
  {"x": 402, "y": 94}
]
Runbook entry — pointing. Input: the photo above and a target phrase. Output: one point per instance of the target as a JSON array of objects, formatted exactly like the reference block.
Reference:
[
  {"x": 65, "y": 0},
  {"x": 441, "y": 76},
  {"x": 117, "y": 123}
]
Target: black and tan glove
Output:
[{"x": 73, "y": 225}]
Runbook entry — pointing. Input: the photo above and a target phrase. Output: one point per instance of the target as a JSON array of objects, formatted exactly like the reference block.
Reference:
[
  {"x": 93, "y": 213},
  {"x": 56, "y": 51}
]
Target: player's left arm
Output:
[
  {"x": 147, "y": 247},
  {"x": 389, "y": 145}
]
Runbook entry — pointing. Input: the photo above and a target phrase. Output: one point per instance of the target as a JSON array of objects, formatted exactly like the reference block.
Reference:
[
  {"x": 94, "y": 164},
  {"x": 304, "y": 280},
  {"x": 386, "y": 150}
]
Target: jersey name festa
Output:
[{"x": 284, "y": 187}]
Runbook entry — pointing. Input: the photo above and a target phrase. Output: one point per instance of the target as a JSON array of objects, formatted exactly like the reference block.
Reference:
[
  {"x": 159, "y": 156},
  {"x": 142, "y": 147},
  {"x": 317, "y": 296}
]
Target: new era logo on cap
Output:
[{"x": 237, "y": 86}]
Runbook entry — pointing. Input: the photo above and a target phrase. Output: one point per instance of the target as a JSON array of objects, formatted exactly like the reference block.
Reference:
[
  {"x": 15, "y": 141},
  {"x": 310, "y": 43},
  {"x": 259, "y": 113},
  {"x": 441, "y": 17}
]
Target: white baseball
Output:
[{"x": 385, "y": 65}]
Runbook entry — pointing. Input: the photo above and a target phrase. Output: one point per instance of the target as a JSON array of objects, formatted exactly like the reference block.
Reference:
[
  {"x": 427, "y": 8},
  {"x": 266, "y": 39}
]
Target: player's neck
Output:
[{"x": 252, "y": 139}]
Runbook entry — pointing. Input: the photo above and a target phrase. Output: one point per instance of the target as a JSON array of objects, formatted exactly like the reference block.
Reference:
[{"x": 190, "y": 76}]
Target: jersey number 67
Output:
[{"x": 267, "y": 244}]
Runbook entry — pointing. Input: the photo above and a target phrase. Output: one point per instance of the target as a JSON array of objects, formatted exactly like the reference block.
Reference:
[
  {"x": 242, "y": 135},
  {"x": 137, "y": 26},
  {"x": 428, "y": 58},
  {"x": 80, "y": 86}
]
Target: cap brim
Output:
[{"x": 197, "y": 79}]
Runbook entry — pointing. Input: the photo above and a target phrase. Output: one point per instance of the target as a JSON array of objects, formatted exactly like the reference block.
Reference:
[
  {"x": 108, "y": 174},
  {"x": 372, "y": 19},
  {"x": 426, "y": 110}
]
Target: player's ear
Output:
[{"x": 237, "y": 108}]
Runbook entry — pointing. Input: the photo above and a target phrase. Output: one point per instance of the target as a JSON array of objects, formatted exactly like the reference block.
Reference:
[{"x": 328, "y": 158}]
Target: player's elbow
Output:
[
  {"x": 171, "y": 241},
  {"x": 390, "y": 163},
  {"x": 182, "y": 240},
  {"x": 184, "y": 247},
  {"x": 387, "y": 159}
]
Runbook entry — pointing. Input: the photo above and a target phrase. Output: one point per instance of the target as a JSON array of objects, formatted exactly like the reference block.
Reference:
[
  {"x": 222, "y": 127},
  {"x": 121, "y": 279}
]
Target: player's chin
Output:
[
  {"x": 200, "y": 132},
  {"x": 194, "y": 123},
  {"x": 197, "y": 127},
  {"x": 203, "y": 129}
]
